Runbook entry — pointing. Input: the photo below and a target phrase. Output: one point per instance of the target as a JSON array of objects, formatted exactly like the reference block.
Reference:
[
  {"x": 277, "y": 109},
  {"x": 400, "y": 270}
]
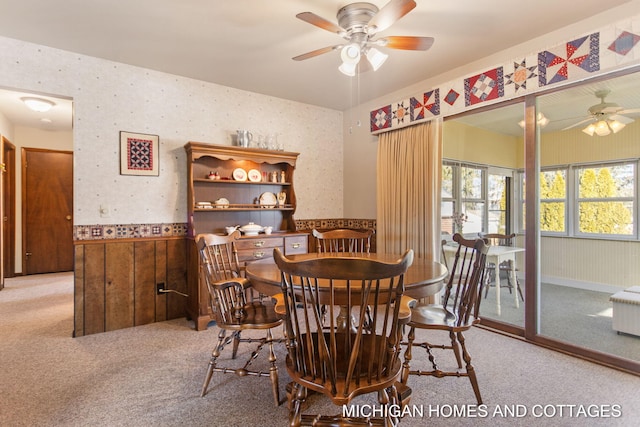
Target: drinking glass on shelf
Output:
[
  {"x": 272, "y": 141},
  {"x": 258, "y": 141}
]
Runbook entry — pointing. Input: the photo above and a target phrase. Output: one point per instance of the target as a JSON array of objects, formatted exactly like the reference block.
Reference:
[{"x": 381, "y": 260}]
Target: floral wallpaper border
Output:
[
  {"x": 310, "y": 224},
  {"x": 128, "y": 231},
  {"x": 614, "y": 47},
  {"x": 133, "y": 231}
]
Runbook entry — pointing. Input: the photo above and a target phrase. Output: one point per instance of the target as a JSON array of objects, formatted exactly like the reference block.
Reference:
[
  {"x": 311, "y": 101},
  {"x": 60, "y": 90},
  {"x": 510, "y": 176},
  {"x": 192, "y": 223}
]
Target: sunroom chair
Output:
[
  {"x": 235, "y": 309},
  {"x": 343, "y": 240},
  {"x": 457, "y": 315},
  {"x": 505, "y": 266},
  {"x": 343, "y": 363}
]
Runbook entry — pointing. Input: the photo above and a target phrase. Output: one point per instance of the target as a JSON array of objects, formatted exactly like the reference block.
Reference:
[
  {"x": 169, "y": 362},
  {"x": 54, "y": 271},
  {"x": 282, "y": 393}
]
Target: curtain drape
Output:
[{"x": 409, "y": 168}]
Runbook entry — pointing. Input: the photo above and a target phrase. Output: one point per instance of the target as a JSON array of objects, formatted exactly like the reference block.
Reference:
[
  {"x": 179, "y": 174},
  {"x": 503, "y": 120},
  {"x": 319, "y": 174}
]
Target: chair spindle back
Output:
[
  {"x": 222, "y": 275},
  {"x": 464, "y": 287},
  {"x": 343, "y": 240},
  {"x": 343, "y": 362}
]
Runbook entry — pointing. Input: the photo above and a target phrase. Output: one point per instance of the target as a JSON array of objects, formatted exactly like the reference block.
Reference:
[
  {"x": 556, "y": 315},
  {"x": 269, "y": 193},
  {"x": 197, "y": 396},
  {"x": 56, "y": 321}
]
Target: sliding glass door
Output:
[
  {"x": 589, "y": 240},
  {"x": 483, "y": 162},
  {"x": 568, "y": 186}
]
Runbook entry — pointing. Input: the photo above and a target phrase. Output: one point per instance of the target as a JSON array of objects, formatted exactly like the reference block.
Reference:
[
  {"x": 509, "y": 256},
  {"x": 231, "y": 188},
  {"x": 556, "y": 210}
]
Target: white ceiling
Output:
[
  {"x": 248, "y": 44},
  {"x": 59, "y": 118}
]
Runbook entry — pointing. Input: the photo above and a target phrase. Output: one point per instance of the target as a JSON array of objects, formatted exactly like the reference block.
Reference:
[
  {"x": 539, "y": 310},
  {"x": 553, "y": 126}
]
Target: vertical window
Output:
[
  {"x": 520, "y": 208},
  {"x": 553, "y": 200},
  {"x": 472, "y": 189},
  {"x": 603, "y": 201},
  {"x": 447, "y": 196},
  {"x": 498, "y": 198},
  {"x": 606, "y": 199},
  {"x": 478, "y": 196}
]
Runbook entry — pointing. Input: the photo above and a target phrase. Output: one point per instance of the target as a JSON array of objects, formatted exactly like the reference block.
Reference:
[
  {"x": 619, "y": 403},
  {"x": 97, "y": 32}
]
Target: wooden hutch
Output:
[{"x": 217, "y": 200}]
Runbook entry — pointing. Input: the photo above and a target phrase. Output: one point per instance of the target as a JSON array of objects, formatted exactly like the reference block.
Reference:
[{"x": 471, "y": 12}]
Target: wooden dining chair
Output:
[
  {"x": 336, "y": 362},
  {"x": 458, "y": 313},
  {"x": 343, "y": 240},
  {"x": 505, "y": 266},
  {"x": 235, "y": 308}
]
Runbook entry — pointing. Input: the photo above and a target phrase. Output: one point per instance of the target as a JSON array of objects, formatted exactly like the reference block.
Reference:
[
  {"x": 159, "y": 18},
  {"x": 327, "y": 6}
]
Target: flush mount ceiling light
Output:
[
  {"x": 541, "y": 121},
  {"x": 39, "y": 105},
  {"x": 358, "y": 23}
]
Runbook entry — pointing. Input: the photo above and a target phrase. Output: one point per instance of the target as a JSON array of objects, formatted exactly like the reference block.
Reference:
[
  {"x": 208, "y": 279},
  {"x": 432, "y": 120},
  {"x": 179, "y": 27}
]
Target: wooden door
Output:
[
  {"x": 47, "y": 206},
  {"x": 2, "y": 190},
  {"x": 8, "y": 216}
]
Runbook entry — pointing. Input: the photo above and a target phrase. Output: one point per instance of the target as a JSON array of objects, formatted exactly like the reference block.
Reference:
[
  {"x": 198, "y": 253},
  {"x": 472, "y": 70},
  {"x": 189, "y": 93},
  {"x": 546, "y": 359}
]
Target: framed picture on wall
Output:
[{"x": 139, "y": 154}]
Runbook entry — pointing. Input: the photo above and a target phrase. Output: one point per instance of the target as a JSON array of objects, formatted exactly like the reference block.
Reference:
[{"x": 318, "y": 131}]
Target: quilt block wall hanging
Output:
[
  {"x": 571, "y": 61},
  {"x": 483, "y": 87},
  {"x": 425, "y": 106}
]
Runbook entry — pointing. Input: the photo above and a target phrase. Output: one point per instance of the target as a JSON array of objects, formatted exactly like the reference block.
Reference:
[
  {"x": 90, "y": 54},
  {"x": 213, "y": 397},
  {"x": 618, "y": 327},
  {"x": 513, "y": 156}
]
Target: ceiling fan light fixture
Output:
[
  {"x": 348, "y": 69},
  {"x": 39, "y": 105},
  {"x": 616, "y": 126},
  {"x": 602, "y": 128},
  {"x": 590, "y": 130},
  {"x": 376, "y": 58},
  {"x": 350, "y": 54},
  {"x": 541, "y": 121}
]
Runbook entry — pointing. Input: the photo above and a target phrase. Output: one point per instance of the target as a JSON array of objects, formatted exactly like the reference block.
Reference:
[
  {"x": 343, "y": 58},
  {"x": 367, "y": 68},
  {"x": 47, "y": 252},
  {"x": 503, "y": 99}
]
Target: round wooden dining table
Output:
[{"x": 424, "y": 277}]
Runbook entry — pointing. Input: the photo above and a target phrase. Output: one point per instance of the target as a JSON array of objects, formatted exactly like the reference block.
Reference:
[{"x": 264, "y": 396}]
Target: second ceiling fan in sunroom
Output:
[{"x": 605, "y": 118}]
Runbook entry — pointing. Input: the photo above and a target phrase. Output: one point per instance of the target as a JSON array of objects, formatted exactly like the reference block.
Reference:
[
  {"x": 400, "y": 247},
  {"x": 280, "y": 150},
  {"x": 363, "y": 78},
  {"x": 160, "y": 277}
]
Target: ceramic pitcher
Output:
[{"x": 244, "y": 138}]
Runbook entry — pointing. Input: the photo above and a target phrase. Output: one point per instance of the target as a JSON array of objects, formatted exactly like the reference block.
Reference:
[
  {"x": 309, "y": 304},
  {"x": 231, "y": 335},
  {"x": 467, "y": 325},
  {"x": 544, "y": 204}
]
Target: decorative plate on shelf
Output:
[
  {"x": 268, "y": 200},
  {"x": 255, "y": 175},
  {"x": 239, "y": 174}
]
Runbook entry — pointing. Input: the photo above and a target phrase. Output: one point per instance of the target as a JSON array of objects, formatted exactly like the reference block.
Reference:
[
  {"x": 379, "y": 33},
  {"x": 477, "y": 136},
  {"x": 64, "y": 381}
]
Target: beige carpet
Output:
[{"x": 151, "y": 376}]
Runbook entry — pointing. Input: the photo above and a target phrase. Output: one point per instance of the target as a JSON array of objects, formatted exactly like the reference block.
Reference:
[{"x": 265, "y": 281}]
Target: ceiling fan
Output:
[
  {"x": 358, "y": 24},
  {"x": 605, "y": 117}
]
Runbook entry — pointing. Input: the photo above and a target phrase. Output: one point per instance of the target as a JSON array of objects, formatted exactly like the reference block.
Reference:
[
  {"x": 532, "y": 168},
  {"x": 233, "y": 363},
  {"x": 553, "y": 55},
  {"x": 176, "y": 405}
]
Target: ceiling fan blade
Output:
[
  {"x": 590, "y": 119},
  {"x": 390, "y": 13},
  {"x": 320, "y": 22},
  {"x": 406, "y": 42},
  {"x": 622, "y": 119},
  {"x": 316, "y": 52},
  {"x": 629, "y": 111}
]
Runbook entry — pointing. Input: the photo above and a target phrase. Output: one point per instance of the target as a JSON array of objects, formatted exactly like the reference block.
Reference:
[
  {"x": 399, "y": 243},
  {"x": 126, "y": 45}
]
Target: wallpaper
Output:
[{"x": 110, "y": 97}]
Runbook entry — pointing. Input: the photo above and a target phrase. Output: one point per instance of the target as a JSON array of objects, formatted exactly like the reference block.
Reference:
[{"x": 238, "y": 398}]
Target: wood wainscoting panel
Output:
[
  {"x": 78, "y": 294},
  {"x": 116, "y": 283},
  {"x": 119, "y": 289},
  {"x": 176, "y": 277},
  {"x": 145, "y": 283},
  {"x": 161, "y": 277},
  {"x": 93, "y": 289}
]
